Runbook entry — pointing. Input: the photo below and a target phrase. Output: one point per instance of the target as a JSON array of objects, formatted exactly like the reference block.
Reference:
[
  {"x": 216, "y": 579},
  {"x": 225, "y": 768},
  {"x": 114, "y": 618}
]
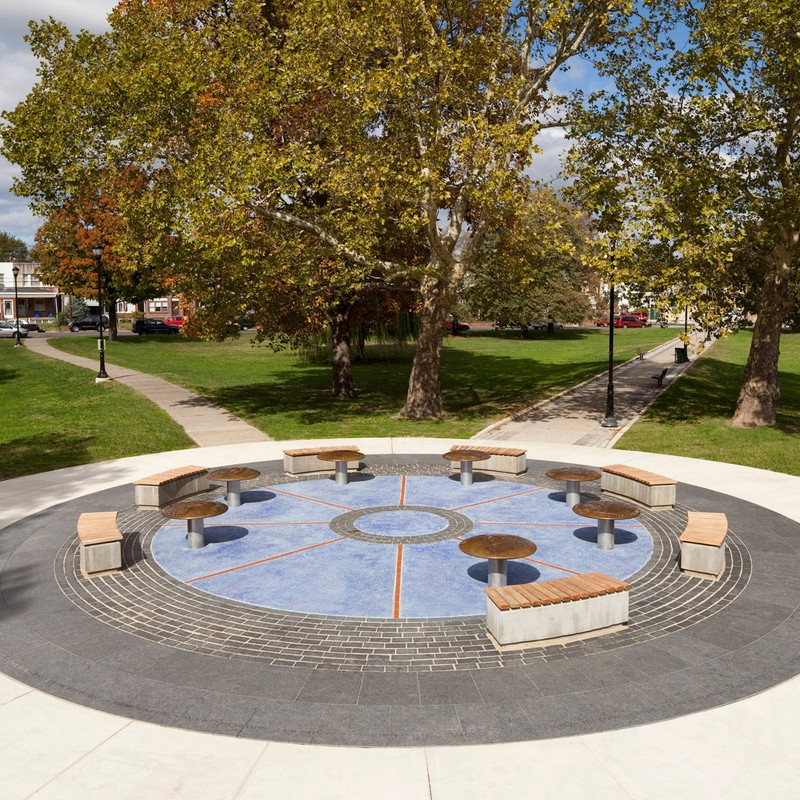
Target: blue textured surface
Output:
[{"x": 277, "y": 550}]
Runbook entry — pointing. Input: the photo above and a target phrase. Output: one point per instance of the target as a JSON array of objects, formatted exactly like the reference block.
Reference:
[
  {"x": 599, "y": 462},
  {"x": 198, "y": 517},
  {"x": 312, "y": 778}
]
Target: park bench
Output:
[
  {"x": 532, "y": 612},
  {"x": 100, "y": 542},
  {"x": 646, "y": 488},
  {"x": 304, "y": 460},
  {"x": 509, "y": 460},
  {"x": 157, "y": 491},
  {"x": 659, "y": 379},
  {"x": 703, "y": 544},
  {"x": 639, "y": 353}
]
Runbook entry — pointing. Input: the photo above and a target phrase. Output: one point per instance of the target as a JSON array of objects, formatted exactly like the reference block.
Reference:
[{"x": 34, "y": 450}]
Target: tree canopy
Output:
[
  {"x": 12, "y": 248},
  {"x": 696, "y": 151},
  {"x": 395, "y": 135}
]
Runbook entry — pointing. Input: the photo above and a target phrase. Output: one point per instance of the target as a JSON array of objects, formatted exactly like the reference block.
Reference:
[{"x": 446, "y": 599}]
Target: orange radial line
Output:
[
  {"x": 402, "y": 491},
  {"x": 310, "y": 499},
  {"x": 264, "y": 560},
  {"x": 398, "y": 579},
  {"x": 496, "y": 499},
  {"x": 552, "y": 566}
]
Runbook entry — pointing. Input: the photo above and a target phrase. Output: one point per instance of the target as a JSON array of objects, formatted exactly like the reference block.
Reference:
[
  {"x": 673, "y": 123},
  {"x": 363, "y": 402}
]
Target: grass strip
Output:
[
  {"x": 54, "y": 415},
  {"x": 692, "y": 416}
]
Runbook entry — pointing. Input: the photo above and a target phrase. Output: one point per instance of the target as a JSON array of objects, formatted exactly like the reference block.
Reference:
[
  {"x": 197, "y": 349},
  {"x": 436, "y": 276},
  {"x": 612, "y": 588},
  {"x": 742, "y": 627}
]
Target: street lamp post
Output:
[
  {"x": 610, "y": 421},
  {"x": 97, "y": 252},
  {"x": 15, "y": 272}
]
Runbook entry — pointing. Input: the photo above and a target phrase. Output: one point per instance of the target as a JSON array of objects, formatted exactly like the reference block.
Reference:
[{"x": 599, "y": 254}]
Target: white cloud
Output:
[{"x": 18, "y": 68}]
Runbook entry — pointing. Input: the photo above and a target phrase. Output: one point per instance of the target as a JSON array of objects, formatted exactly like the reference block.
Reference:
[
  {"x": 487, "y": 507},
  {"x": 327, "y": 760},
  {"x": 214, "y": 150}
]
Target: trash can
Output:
[{"x": 681, "y": 355}]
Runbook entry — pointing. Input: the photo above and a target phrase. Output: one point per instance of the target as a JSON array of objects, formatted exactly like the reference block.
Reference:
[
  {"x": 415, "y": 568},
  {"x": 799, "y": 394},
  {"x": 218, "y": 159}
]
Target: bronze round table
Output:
[
  {"x": 341, "y": 457},
  {"x": 573, "y": 477},
  {"x": 465, "y": 458},
  {"x": 233, "y": 477},
  {"x": 194, "y": 512},
  {"x": 497, "y": 548},
  {"x": 606, "y": 512}
]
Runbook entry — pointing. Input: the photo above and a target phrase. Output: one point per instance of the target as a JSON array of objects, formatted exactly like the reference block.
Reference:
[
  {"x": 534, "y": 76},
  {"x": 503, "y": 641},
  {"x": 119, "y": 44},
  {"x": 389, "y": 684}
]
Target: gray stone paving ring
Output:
[{"x": 401, "y": 524}]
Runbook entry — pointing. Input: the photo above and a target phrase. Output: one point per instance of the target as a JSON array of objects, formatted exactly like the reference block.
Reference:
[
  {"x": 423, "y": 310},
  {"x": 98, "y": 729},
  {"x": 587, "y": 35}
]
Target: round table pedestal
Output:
[
  {"x": 233, "y": 493},
  {"x": 573, "y": 493},
  {"x": 196, "y": 533},
  {"x": 605, "y": 534},
  {"x": 466, "y": 473},
  {"x": 341, "y": 473},
  {"x": 498, "y": 571}
]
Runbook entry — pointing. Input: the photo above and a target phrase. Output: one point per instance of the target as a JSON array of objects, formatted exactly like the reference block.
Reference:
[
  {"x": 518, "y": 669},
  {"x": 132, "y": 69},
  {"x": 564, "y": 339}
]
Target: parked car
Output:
[
  {"x": 10, "y": 331},
  {"x": 145, "y": 327},
  {"x": 178, "y": 321},
  {"x": 641, "y": 314},
  {"x": 602, "y": 323},
  {"x": 460, "y": 326},
  {"x": 91, "y": 322},
  {"x": 630, "y": 322},
  {"x": 540, "y": 325},
  {"x": 31, "y": 327}
]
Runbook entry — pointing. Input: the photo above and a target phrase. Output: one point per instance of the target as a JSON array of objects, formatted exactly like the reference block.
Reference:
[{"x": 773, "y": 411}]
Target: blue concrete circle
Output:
[
  {"x": 318, "y": 548},
  {"x": 401, "y": 523}
]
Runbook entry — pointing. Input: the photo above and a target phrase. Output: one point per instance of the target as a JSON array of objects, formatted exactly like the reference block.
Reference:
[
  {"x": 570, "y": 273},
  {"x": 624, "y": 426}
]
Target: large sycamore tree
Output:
[
  {"x": 700, "y": 146},
  {"x": 348, "y": 121}
]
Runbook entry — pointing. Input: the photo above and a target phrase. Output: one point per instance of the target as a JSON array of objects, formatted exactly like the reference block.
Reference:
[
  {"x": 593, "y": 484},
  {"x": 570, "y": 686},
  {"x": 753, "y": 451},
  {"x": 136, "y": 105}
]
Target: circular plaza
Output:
[{"x": 319, "y": 613}]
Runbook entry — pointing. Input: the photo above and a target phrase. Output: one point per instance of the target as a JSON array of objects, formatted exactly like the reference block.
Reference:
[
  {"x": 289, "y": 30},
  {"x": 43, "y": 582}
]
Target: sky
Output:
[
  {"x": 18, "y": 71},
  {"x": 18, "y": 76}
]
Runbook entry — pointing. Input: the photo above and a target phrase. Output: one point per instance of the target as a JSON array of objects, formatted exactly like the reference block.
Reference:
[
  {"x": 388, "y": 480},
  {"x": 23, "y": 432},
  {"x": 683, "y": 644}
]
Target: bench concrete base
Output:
[
  {"x": 101, "y": 558},
  {"x": 507, "y": 460},
  {"x": 559, "y": 619},
  {"x": 302, "y": 462},
  {"x": 155, "y": 496},
  {"x": 655, "y": 496},
  {"x": 702, "y": 560},
  {"x": 100, "y": 543}
]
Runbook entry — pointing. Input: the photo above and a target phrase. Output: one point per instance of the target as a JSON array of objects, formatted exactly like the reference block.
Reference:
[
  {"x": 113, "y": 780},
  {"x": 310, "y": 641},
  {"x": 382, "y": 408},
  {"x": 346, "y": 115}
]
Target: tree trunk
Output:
[
  {"x": 340, "y": 353},
  {"x": 424, "y": 399},
  {"x": 112, "y": 318},
  {"x": 760, "y": 393}
]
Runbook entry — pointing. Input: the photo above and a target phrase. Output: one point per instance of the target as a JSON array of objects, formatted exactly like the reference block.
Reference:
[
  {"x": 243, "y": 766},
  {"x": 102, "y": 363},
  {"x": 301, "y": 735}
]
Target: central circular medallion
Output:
[{"x": 401, "y": 524}]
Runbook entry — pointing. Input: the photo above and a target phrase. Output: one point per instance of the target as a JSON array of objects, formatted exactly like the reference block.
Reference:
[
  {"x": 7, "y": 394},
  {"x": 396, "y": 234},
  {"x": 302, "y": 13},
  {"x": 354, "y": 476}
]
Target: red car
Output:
[
  {"x": 630, "y": 322},
  {"x": 460, "y": 326},
  {"x": 174, "y": 321},
  {"x": 601, "y": 323}
]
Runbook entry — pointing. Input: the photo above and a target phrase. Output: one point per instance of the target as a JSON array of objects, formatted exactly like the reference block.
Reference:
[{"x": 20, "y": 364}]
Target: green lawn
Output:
[
  {"x": 54, "y": 415},
  {"x": 691, "y": 418},
  {"x": 485, "y": 375}
]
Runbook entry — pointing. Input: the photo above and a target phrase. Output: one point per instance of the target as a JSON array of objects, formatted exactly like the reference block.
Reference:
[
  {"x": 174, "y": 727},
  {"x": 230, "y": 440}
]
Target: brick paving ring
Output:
[{"x": 455, "y": 524}]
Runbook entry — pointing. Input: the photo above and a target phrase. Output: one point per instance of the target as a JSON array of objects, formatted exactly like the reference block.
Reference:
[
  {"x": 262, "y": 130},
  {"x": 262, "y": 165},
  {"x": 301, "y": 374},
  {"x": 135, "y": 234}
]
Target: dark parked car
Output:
[
  {"x": 144, "y": 327},
  {"x": 91, "y": 322},
  {"x": 31, "y": 327}
]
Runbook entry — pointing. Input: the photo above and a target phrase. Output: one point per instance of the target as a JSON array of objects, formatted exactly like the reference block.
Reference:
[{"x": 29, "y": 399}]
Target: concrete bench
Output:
[
  {"x": 646, "y": 488},
  {"x": 531, "y": 612},
  {"x": 100, "y": 542},
  {"x": 304, "y": 460},
  {"x": 703, "y": 544},
  {"x": 164, "y": 488},
  {"x": 509, "y": 460}
]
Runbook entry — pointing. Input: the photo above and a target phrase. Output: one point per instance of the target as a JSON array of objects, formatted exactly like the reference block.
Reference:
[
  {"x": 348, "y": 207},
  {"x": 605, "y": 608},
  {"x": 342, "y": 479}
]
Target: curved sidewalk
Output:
[
  {"x": 55, "y": 749},
  {"x": 203, "y": 421}
]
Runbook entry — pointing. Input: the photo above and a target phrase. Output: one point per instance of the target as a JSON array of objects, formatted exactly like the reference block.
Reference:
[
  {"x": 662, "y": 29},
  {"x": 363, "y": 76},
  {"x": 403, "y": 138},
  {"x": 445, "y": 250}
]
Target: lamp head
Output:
[
  {"x": 15, "y": 270},
  {"x": 97, "y": 251}
]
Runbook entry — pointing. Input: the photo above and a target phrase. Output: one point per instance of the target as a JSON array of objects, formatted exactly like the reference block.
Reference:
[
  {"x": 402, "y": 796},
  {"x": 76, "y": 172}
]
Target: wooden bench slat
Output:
[
  {"x": 636, "y": 474},
  {"x": 160, "y": 478}
]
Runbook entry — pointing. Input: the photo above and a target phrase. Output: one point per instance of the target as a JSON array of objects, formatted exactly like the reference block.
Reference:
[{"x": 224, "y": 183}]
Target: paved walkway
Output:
[
  {"x": 52, "y": 748},
  {"x": 203, "y": 421},
  {"x": 574, "y": 416}
]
